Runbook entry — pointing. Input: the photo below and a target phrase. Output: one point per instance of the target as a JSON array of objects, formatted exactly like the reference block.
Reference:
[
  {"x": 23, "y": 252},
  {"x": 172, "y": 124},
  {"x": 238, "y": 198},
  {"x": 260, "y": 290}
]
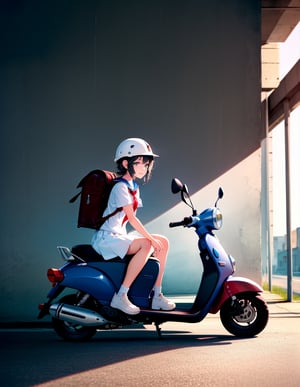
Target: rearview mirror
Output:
[
  {"x": 176, "y": 186},
  {"x": 220, "y": 193}
]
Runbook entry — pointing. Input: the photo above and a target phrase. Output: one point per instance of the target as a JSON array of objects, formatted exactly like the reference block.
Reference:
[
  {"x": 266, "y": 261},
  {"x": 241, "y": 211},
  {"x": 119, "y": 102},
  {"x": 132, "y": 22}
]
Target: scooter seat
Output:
[{"x": 88, "y": 254}]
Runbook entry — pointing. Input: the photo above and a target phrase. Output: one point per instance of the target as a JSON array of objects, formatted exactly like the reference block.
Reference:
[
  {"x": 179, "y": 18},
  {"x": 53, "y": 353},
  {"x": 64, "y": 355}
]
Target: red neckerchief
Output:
[
  {"x": 133, "y": 194},
  {"x": 134, "y": 204}
]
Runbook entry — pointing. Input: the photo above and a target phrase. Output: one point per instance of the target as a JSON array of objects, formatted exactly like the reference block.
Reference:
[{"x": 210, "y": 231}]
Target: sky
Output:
[{"x": 289, "y": 55}]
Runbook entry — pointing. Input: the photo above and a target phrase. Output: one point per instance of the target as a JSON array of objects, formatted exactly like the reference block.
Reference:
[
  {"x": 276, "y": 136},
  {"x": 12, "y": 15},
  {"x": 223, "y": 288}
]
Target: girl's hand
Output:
[
  {"x": 138, "y": 226},
  {"x": 157, "y": 245}
]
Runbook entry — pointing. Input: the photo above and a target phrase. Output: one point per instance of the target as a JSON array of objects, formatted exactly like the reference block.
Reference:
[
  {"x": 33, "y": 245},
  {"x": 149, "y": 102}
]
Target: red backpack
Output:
[{"x": 95, "y": 190}]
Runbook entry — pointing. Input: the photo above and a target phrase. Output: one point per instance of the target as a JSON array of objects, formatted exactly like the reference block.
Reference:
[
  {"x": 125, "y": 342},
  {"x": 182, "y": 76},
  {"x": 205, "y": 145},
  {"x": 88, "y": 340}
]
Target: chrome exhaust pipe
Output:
[{"x": 76, "y": 314}]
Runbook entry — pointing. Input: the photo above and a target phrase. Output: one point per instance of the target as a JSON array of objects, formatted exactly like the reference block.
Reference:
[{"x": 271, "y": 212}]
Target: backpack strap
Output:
[
  {"x": 104, "y": 218},
  {"x": 73, "y": 199}
]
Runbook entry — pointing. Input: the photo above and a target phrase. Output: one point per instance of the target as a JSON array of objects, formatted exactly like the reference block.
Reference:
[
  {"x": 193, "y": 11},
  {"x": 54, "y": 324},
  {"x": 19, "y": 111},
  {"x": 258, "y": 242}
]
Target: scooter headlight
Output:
[
  {"x": 217, "y": 219},
  {"x": 210, "y": 219}
]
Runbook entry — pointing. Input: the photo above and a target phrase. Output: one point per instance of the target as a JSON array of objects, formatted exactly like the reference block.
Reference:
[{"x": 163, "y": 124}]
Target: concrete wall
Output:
[{"x": 77, "y": 77}]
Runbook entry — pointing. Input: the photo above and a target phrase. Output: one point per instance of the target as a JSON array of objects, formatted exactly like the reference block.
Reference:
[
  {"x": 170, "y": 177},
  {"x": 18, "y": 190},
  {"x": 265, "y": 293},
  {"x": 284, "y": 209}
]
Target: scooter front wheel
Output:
[
  {"x": 246, "y": 316},
  {"x": 72, "y": 331}
]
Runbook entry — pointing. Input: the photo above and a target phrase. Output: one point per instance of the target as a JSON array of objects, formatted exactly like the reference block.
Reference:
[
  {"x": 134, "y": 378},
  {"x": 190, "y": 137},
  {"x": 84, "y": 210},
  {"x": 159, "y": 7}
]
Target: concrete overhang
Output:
[{"x": 278, "y": 19}]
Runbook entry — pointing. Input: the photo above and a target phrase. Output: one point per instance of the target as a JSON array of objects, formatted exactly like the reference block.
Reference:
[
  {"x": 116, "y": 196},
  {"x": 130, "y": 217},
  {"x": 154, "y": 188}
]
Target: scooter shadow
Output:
[
  {"x": 50, "y": 358},
  {"x": 175, "y": 338}
]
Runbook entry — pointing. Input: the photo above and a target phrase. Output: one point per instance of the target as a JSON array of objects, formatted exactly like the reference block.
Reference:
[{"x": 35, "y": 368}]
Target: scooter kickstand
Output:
[{"x": 158, "y": 330}]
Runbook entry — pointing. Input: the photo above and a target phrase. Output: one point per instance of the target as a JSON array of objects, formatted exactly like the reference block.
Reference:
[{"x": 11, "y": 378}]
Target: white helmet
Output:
[{"x": 133, "y": 147}]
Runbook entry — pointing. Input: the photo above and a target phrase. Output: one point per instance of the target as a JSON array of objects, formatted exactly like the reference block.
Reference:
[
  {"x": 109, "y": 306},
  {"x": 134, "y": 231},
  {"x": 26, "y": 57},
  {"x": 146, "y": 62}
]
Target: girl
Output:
[{"x": 134, "y": 158}]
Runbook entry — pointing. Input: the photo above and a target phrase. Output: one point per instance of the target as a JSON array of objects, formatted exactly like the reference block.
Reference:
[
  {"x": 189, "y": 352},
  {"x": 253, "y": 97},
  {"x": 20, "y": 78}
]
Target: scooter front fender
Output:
[{"x": 232, "y": 286}]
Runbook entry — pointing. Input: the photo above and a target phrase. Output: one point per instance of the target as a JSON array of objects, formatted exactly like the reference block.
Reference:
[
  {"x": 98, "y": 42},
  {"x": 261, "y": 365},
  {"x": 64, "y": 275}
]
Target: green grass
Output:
[{"x": 281, "y": 292}]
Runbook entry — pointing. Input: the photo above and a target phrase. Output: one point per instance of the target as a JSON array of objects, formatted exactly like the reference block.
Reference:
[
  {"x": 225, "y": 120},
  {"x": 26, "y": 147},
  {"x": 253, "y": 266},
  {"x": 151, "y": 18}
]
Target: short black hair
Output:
[{"x": 121, "y": 170}]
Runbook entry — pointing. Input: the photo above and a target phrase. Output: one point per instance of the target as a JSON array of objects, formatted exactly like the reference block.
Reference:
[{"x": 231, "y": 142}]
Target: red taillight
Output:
[
  {"x": 55, "y": 275},
  {"x": 41, "y": 306}
]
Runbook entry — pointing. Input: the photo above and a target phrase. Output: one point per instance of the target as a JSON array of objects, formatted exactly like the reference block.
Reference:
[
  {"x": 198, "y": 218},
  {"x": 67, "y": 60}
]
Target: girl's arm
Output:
[{"x": 138, "y": 226}]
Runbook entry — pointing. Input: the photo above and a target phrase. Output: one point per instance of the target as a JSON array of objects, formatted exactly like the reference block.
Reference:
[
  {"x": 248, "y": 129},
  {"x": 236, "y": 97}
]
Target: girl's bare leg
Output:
[
  {"x": 162, "y": 257},
  {"x": 141, "y": 248}
]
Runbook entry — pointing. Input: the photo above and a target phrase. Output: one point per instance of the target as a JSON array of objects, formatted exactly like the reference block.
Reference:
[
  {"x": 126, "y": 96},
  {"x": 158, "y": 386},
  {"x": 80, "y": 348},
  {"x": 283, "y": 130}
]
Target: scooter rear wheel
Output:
[
  {"x": 71, "y": 331},
  {"x": 247, "y": 318}
]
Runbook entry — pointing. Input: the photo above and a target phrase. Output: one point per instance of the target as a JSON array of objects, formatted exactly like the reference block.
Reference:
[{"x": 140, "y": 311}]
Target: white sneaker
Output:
[
  {"x": 161, "y": 302},
  {"x": 122, "y": 303}
]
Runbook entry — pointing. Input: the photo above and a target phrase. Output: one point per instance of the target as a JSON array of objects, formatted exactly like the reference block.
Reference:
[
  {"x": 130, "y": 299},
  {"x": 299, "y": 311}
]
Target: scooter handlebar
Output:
[{"x": 183, "y": 222}]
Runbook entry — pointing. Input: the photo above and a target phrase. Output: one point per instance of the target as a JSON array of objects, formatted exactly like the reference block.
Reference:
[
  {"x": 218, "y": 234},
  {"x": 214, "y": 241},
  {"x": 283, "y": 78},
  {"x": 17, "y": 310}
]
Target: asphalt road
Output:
[{"x": 201, "y": 354}]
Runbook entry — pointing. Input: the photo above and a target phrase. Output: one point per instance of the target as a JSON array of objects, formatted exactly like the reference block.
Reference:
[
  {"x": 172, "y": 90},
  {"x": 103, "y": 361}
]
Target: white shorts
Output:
[{"x": 111, "y": 245}]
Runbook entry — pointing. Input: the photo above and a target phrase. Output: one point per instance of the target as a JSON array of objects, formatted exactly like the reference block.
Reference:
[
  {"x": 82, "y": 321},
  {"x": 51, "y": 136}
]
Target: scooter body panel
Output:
[
  {"x": 218, "y": 253},
  {"x": 90, "y": 280},
  {"x": 102, "y": 279},
  {"x": 217, "y": 268}
]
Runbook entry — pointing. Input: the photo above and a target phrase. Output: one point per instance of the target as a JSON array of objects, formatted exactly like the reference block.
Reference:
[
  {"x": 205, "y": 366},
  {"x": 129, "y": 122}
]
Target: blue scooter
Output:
[{"x": 78, "y": 315}]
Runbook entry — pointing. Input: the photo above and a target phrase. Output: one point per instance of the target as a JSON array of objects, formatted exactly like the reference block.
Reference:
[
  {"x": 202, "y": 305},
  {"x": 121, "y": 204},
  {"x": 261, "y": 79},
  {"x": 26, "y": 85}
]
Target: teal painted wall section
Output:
[{"x": 78, "y": 77}]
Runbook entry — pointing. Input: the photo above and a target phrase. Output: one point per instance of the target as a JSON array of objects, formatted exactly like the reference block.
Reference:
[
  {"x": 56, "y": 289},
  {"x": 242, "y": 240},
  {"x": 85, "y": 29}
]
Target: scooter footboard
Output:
[{"x": 232, "y": 286}]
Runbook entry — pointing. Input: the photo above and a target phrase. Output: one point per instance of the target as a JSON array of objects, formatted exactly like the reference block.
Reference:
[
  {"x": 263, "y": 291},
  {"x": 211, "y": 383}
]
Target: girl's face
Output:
[{"x": 140, "y": 167}]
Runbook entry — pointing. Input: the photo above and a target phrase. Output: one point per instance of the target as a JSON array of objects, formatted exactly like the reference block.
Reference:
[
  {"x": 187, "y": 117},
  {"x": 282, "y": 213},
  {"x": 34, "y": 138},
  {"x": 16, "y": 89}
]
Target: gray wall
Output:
[{"x": 77, "y": 77}]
